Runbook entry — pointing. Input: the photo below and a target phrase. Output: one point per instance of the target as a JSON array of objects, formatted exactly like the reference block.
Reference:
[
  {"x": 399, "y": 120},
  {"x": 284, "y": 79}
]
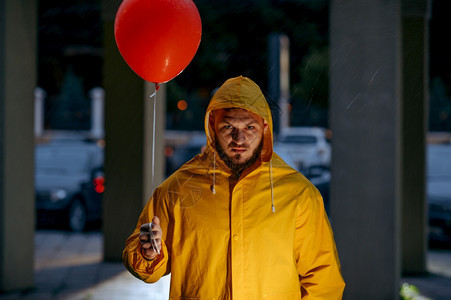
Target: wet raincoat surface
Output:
[{"x": 226, "y": 242}]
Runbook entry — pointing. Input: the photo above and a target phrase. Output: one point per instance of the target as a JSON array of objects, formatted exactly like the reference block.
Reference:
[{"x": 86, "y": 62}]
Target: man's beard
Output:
[{"x": 237, "y": 168}]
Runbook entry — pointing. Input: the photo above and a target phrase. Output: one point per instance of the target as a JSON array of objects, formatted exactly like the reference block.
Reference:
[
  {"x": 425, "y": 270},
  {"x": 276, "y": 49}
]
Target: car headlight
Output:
[{"x": 58, "y": 195}]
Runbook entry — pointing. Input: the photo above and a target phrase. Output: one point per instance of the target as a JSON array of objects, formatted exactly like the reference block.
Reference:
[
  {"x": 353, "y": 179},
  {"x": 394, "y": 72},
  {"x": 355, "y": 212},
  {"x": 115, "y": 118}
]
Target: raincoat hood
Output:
[{"x": 241, "y": 92}]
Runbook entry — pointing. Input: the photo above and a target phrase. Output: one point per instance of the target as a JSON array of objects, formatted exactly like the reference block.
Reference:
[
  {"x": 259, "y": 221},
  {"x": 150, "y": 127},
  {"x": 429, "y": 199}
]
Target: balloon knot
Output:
[{"x": 157, "y": 86}]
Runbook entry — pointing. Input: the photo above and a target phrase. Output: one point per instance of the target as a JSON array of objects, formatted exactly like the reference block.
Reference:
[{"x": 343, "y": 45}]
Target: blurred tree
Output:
[
  {"x": 69, "y": 109},
  {"x": 440, "y": 106},
  {"x": 440, "y": 64},
  {"x": 234, "y": 42},
  {"x": 440, "y": 43},
  {"x": 70, "y": 34},
  {"x": 69, "y": 60},
  {"x": 311, "y": 92}
]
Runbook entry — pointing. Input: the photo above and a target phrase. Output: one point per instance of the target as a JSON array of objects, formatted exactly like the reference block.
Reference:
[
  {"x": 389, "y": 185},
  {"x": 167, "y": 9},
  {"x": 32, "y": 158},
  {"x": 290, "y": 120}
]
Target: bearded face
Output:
[
  {"x": 234, "y": 163},
  {"x": 239, "y": 137}
]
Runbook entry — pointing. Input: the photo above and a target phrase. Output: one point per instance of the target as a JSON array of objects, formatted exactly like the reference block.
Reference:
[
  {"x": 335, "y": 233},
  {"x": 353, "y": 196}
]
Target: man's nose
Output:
[{"x": 238, "y": 135}]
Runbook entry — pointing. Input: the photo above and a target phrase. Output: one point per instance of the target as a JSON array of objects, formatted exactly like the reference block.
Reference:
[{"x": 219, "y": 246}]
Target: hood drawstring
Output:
[
  {"x": 273, "y": 208},
  {"x": 213, "y": 190}
]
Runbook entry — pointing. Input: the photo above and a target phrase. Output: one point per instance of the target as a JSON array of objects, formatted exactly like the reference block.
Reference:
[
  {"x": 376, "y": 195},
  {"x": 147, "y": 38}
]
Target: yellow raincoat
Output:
[{"x": 222, "y": 242}]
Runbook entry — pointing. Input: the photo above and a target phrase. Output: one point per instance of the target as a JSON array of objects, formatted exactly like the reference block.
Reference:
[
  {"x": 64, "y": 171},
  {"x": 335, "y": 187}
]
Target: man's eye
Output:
[
  {"x": 250, "y": 127},
  {"x": 228, "y": 126}
]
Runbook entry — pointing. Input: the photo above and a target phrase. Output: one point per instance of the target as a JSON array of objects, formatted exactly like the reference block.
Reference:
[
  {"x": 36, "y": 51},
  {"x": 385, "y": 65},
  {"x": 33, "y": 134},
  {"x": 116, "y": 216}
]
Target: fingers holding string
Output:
[{"x": 150, "y": 235}]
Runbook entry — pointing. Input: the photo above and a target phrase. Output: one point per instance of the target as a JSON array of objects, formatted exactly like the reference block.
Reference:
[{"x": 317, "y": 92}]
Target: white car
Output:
[{"x": 307, "y": 146}]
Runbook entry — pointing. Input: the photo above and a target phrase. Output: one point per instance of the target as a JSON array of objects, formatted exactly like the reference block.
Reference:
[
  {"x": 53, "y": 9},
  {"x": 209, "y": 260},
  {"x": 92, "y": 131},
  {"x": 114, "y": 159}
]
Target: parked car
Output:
[
  {"x": 307, "y": 146},
  {"x": 439, "y": 191},
  {"x": 69, "y": 183}
]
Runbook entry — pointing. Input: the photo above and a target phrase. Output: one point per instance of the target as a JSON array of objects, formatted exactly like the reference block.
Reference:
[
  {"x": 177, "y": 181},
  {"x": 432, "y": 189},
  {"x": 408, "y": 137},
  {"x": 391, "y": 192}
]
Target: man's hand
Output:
[{"x": 151, "y": 246}]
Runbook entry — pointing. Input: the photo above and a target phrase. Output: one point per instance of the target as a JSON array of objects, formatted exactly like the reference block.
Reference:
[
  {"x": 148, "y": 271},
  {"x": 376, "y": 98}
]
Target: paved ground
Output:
[
  {"x": 69, "y": 266},
  {"x": 437, "y": 285}
]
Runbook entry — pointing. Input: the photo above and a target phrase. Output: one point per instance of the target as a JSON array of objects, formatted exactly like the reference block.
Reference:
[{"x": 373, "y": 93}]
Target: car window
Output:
[
  {"x": 61, "y": 160},
  {"x": 299, "y": 139},
  {"x": 439, "y": 161}
]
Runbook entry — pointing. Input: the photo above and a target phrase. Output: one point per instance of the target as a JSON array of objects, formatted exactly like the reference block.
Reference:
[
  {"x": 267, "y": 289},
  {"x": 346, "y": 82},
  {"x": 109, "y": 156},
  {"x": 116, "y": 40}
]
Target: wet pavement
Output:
[
  {"x": 70, "y": 266},
  {"x": 437, "y": 284}
]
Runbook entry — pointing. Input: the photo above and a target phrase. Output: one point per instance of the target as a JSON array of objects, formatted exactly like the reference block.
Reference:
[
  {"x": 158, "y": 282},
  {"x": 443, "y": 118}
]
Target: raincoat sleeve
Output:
[
  {"x": 134, "y": 261},
  {"x": 315, "y": 251}
]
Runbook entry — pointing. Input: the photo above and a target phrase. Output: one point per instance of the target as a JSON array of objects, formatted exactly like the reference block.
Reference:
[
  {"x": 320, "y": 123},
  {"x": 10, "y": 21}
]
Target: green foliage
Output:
[
  {"x": 235, "y": 41},
  {"x": 314, "y": 75},
  {"x": 410, "y": 292}
]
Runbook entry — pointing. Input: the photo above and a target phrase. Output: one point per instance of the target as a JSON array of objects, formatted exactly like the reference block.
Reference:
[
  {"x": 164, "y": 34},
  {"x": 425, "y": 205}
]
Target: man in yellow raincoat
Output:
[{"x": 236, "y": 222}]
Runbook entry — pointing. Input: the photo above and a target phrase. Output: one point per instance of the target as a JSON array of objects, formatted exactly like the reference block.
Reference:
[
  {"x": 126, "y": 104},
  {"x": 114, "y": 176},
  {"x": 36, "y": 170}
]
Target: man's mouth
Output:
[{"x": 238, "y": 150}]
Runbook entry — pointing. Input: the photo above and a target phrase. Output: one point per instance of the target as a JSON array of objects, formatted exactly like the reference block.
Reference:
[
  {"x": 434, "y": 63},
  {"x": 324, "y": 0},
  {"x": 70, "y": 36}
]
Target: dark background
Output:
[{"x": 234, "y": 42}]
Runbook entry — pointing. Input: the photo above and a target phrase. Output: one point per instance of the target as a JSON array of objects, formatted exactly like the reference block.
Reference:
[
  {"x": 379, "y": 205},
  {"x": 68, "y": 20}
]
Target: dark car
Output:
[
  {"x": 439, "y": 191},
  {"x": 69, "y": 183},
  {"x": 184, "y": 153}
]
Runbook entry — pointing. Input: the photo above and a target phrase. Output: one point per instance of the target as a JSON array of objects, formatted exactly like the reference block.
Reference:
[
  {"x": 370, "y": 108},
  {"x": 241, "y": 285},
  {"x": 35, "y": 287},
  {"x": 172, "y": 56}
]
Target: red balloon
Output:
[{"x": 158, "y": 38}]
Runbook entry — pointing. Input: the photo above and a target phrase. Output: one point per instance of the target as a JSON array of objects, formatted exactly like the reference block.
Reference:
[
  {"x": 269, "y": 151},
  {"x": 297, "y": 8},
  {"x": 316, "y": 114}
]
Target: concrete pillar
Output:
[
  {"x": 415, "y": 15},
  {"x": 365, "y": 98},
  {"x": 18, "y": 23},
  {"x": 128, "y": 128}
]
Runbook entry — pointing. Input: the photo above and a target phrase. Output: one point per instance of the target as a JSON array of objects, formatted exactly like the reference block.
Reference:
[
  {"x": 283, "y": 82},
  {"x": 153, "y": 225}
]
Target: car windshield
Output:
[{"x": 299, "y": 139}]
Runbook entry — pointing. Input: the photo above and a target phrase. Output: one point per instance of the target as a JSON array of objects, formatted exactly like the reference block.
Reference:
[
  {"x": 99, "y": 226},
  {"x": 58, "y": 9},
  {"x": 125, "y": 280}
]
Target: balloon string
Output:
[
  {"x": 154, "y": 96},
  {"x": 157, "y": 87}
]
